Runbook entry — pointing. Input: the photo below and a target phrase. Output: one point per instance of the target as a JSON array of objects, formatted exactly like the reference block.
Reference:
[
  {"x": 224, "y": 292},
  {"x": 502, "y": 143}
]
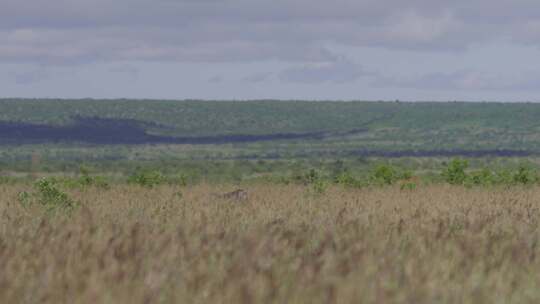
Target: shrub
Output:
[
  {"x": 455, "y": 172},
  {"x": 313, "y": 176},
  {"x": 84, "y": 180},
  {"x": 179, "y": 179},
  {"x": 388, "y": 175},
  {"x": 100, "y": 182},
  {"x": 524, "y": 176},
  {"x": 484, "y": 177},
  {"x": 146, "y": 178},
  {"x": 408, "y": 186},
  {"x": 314, "y": 180},
  {"x": 52, "y": 198},
  {"x": 319, "y": 186},
  {"x": 345, "y": 178},
  {"x": 25, "y": 199},
  {"x": 503, "y": 177}
]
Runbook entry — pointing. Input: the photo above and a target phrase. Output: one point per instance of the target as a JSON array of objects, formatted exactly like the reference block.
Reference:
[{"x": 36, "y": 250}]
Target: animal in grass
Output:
[
  {"x": 239, "y": 195},
  {"x": 410, "y": 183}
]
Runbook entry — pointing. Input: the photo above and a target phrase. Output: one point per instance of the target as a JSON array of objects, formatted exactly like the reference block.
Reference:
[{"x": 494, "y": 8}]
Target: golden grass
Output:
[{"x": 436, "y": 244}]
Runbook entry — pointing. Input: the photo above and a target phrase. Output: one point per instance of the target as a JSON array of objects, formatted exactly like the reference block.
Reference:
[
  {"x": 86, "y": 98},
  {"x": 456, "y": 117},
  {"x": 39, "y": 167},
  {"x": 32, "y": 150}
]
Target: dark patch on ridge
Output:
[
  {"x": 401, "y": 153},
  {"x": 445, "y": 153},
  {"x": 106, "y": 131}
]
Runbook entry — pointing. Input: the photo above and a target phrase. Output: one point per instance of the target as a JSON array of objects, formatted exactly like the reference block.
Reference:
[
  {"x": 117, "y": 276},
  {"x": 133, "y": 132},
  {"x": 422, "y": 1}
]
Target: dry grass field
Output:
[{"x": 435, "y": 244}]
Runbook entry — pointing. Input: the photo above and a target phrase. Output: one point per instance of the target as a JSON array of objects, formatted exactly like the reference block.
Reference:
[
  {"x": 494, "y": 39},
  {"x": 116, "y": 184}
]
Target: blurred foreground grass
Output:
[{"x": 127, "y": 244}]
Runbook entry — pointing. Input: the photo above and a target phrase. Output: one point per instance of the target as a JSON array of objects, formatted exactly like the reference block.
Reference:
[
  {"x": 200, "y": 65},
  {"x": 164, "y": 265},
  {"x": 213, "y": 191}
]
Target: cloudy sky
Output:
[{"x": 286, "y": 49}]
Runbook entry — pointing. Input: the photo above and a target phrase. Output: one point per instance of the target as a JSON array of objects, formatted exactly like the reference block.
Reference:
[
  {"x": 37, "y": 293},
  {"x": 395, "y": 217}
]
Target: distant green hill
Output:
[{"x": 348, "y": 126}]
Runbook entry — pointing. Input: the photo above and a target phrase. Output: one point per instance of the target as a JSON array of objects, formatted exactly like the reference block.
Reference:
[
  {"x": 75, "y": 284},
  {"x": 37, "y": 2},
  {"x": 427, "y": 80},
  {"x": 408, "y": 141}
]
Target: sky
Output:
[{"x": 477, "y": 50}]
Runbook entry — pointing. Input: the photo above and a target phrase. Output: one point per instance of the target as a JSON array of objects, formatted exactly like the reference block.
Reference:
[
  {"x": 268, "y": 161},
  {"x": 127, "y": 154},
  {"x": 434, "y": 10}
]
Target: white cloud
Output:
[
  {"x": 340, "y": 71},
  {"x": 216, "y": 79},
  {"x": 466, "y": 80},
  {"x": 29, "y": 77},
  {"x": 129, "y": 71},
  {"x": 436, "y": 46},
  {"x": 81, "y": 31},
  {"x": 258, "y": 77}
]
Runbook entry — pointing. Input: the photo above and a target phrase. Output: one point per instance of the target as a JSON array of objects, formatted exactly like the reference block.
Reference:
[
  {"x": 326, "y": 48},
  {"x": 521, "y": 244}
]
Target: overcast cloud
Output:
[
  {"x": 278, "y": 42},
  {"x": 338, "y": 71}
]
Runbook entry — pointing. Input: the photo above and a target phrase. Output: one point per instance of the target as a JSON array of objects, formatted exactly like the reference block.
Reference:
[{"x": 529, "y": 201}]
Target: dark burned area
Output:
[{"x": 103, "y": 131}]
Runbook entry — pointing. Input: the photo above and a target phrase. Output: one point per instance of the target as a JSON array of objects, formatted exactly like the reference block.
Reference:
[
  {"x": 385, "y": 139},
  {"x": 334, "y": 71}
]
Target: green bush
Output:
[
  {"x": 388, "y": 175},
  {"x": 504, "y": 177},
  {"x": 455, "y": 172},
  {"x": 345, "y": 178},
  {"x": 315, "y": 180},
  {"x": 484, "y": 177},
  {"x": 408, "y": 186},
  {"x": 147, "y": 178},
  {"x": 84, "y": 180},
  {"x": 25, "y": 199},
  {"x": 51, "y": 197},
  {"x": 178, "y": 179},
  {"x": 524, "y": 176}
]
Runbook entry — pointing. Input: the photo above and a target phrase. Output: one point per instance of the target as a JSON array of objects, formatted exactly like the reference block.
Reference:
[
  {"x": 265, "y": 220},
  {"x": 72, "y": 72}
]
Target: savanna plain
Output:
[
  {"x": 133, "y": 201},
  {"x": 283, "y": 244}
]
